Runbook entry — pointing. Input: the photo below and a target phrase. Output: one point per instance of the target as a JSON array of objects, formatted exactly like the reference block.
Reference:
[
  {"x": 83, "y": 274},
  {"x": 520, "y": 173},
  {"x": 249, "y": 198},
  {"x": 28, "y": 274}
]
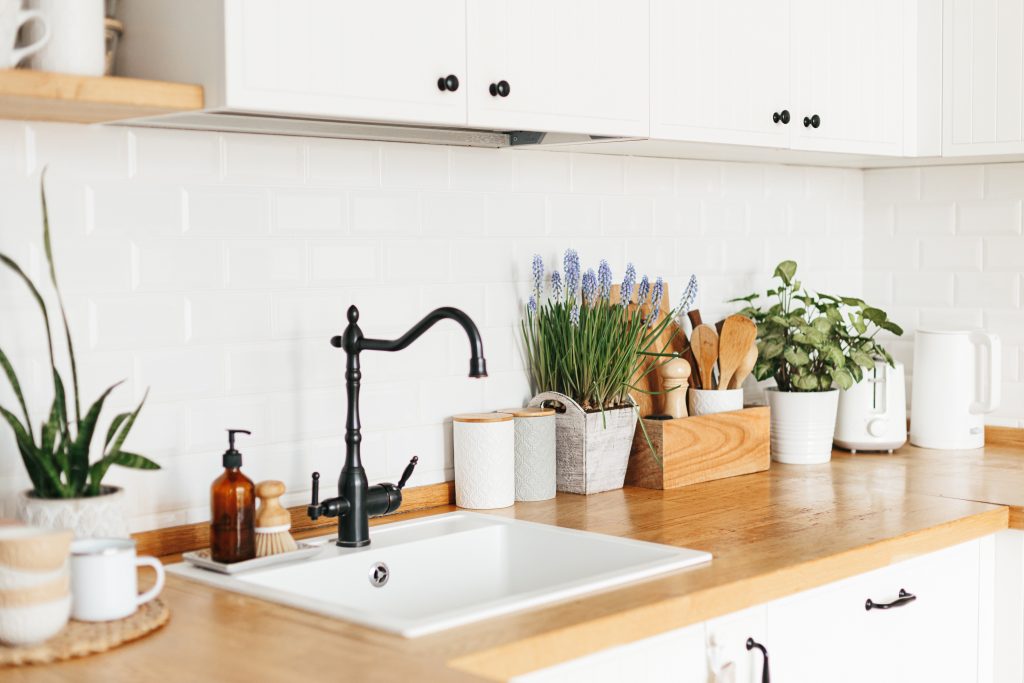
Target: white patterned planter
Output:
[
  {"x": 101, "y": 516},
  {"x": 484, "y": 460},
  {"x": 593, "y": 448},
  {"x": 802, "y": 426}
]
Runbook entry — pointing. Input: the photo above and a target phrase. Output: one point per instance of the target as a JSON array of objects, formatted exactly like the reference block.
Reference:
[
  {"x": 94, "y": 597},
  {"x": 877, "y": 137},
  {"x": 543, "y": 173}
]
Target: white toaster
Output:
[{"x": 873, "y": 413}]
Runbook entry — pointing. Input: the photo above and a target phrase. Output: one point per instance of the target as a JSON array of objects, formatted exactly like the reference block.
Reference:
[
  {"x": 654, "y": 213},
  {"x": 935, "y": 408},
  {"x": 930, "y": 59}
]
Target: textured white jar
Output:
[
  {"x": 802, "y": 425},
  {"x": 713, "y": 401},
  {"x": 484, "y": 460},
  {"x": 535, "y": 453}
]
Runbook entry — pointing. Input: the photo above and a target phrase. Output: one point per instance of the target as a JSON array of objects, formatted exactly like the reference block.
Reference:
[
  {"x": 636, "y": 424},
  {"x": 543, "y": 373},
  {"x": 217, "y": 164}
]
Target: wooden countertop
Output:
[{"x": 772, "y": 534}]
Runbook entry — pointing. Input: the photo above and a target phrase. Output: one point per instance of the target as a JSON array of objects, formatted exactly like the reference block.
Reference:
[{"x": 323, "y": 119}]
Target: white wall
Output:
[
  {"x": 213, "y": 270},
  {"x": 943, "y": 247}
]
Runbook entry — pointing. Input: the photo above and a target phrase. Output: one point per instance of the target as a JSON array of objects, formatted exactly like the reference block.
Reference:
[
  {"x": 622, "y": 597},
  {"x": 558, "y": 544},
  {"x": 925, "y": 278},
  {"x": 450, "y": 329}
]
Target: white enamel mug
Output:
[
  {"x": 79, "y": 42},
  {"x": 12, "y": 18},
  {"x": 104, "y": 585}
]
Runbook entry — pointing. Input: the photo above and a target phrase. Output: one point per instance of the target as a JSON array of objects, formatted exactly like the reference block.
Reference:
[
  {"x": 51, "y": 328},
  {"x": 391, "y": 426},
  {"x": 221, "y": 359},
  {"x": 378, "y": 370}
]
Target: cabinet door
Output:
[
  {"x": 674, "y": 656},
  {"x": 983, "y": 88},
  {"x": 376, "y": 61},
  {"x": 720, "y": 70},
  {"x": 827, "y": 634},
  {"x": 848, "y": 71},
  {"x": 727, "y": 645},
  {"x": 571, "y": 66}
]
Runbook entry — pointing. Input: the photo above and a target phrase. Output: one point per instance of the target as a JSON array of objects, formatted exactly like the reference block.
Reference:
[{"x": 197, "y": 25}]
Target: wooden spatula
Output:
[
  {"x": 704, "y": 343},
  {"x": 745, "y": 368},
  {"x": 738, "y": 334}
]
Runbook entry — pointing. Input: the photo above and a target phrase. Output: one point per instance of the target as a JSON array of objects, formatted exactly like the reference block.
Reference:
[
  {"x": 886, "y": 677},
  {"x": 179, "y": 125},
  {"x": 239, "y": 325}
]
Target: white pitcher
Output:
[
  {"x": 12, "y": 18},
  {"x": 956, "y": 381}
]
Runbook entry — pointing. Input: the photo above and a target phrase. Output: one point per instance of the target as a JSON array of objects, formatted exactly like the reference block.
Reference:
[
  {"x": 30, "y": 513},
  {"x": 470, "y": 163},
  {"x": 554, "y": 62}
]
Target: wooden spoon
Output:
[
  {"x": 738, "y": 333},
  {"x": 745, "y": 368},
  {"x": 704, "y": 343}
]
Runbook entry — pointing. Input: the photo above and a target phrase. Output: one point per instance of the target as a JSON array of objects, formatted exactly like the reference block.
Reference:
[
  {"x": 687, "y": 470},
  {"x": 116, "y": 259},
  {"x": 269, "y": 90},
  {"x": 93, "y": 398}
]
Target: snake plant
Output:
[{"x": 57, "y": 456}]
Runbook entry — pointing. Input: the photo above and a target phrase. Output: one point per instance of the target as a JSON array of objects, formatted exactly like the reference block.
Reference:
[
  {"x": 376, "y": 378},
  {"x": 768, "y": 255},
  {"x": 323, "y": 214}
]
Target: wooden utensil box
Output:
[{"x": 696, "y": 449}]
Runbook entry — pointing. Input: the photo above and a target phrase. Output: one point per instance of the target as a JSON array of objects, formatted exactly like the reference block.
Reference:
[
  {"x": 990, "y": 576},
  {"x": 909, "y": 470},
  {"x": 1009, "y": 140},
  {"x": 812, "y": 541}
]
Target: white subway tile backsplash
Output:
[
  {"x": 167, "y": 154},
  {"x": 945, "y": 183},
  {"x": 1004, "y": 253},
  {"x": 627, "y": 216},
  {"x": 264, "y": 264},
  {"x": 228, "y": 316},
  {"x": 350, "y": 262},
  {"x": 122, "y": 322},
  {"x": 180, "y": 373},
  {"x": 949, "y": 253},
  {"x": 891, "y": 185},
  {"x": 452, "y": 213},
  {"x": 1004, "y": 181},
  {"x": 385, "y": 213},
  {"x": 484, "y": 170},
  {"x": 98, "y": 265},
  {"x": 811, "y": 220},
  {"x": 675, "y": 216},
  {"x": 346, "y": 163},
  {"x": 510, "y": 215},
  {"x": 647, "y": 176},
  {"x": 225, "y": 212},
  {"x": 176, "y": 265},
  {"x": 539, "y": 171},
  {"x": 418, "y": 260},
  {"x": 922, "y": 289},
  {"x": 301, "y": 211},
  {"x": 570, "y": 215},
  {"x": 935, "y": 218},
  {"x": 597, "y": 173},
  {"x": 122, "y": 210},
  {"x": 992, "y": 217},
  {"x": 414, "y": 166},
  {"x": 263, "y": 158},
  {"x": 698, "y": 179},
  {"x": 992, "y": 290},
  {"x": 743, "y": 181},
  {"x": 723, "y": 219}
]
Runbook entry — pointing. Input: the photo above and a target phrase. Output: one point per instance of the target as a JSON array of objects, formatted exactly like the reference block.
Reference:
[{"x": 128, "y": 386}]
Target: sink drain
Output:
[{"x": 379, "y": 574}]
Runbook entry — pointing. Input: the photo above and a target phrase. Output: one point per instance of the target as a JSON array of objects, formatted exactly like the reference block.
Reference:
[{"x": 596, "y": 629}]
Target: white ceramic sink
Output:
[{"x": 452, "y": 569}]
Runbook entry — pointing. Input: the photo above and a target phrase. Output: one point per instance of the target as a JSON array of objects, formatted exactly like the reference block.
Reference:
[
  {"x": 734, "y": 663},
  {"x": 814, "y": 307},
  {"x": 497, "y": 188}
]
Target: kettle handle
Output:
[{"x": 990, "y": 343}]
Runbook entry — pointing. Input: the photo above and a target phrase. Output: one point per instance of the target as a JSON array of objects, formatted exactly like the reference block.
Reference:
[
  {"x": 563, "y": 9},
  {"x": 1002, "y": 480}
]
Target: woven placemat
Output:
[{"x": 81, "y": 638}]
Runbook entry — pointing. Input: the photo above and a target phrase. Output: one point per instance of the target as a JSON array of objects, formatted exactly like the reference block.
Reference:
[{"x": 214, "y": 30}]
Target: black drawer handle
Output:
[
  {"x": 813, "y": 122},
  {"x": 782, "y": 116},
  {"x": 904, "y": 599},
  {"x": 766, "y": 676},
  {"x": 499, "y": 89},
  {"x": 449, "y": 83}
]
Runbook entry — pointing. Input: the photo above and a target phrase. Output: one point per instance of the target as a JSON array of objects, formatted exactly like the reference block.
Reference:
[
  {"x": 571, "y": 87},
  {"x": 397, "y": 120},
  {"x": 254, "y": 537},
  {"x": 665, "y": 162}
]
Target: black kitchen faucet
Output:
[{"x": 357, "y": 501}]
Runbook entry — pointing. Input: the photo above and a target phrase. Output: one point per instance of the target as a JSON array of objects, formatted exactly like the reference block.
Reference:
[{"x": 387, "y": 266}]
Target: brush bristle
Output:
[{"x": 274, "y": 544}]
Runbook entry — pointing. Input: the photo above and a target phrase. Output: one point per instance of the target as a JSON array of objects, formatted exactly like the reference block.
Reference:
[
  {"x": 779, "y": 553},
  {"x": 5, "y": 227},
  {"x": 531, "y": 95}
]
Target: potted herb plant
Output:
[
  {"x": 67, "y": 485},
  {"x": 584, "y": 351},
  {"x": 811, "y": 344}
]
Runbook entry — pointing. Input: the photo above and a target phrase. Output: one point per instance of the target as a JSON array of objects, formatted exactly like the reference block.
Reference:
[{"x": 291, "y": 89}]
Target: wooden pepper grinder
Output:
[{"x": 674, "y": 375}]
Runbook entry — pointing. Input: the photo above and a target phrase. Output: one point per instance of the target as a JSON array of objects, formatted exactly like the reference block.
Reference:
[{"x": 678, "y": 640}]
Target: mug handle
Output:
[
  {"x": 989, "y": 342},
  {"x": 147, "y": 561},
  {"x": 24, "y": 17}
]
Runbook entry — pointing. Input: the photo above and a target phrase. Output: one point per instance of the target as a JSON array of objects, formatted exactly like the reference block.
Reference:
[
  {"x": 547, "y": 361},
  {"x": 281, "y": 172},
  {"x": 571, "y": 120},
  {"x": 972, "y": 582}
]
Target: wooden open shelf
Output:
[{"x": 43, "y": 96}]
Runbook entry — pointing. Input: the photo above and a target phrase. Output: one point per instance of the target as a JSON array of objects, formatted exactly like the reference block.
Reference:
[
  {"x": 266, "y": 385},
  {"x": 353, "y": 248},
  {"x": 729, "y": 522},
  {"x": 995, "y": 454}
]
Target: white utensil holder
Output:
[
  {"x": 484, "y": 460},
  {"x": 712, "y": 401}
]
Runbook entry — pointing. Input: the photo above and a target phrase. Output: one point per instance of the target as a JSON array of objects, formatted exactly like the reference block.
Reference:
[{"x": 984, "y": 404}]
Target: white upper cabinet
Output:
[
  {"x": 720, "y": 71},
  {"x": 983, "y": 80},
  {"x": 847, "y": 60},
  {"x": 376, "y": 61},
  {"x": 569, "y": 66}
]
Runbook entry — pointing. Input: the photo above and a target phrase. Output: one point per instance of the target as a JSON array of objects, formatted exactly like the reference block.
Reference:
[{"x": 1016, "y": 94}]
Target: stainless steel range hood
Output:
[{"x": 354, "y": 130}]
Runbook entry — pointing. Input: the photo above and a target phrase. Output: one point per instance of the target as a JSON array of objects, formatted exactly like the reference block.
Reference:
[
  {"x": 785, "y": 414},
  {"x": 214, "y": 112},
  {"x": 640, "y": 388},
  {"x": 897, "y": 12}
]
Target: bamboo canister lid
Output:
[
  {"x": 482, "y": 417},
  {"x": 528, "y": 412}
]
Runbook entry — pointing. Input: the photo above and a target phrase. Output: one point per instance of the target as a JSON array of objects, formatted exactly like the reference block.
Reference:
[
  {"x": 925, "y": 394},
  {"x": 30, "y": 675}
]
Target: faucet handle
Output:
[
  {"x": 408, "y": 471},
  {"x": 313, "y": 511}
]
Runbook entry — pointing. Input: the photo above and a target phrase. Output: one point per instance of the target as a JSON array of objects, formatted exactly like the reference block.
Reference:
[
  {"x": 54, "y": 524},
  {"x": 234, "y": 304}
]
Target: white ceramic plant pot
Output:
[
  {"x": 712, "y": 401},
  {"x": 101, "y": 516},
  {"x": 802, "y": 424},
  {"x": 593, "y": 448}
]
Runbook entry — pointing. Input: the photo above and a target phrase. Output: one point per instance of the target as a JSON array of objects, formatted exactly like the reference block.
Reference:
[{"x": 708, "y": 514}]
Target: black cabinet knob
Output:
[
  {"x": 449, "y": 83},
  {"x": 813, "y": 122},
  {"x": 782, "y": 116},
  {"x": 500, "y": 89}
]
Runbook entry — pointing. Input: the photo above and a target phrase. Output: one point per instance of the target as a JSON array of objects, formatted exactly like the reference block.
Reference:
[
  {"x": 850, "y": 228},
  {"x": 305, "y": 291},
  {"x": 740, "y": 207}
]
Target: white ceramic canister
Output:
[
  {"x": 484, "y": 460},
  {"x": 712, "y": 401},
  {"x": 535, "y": 448}
]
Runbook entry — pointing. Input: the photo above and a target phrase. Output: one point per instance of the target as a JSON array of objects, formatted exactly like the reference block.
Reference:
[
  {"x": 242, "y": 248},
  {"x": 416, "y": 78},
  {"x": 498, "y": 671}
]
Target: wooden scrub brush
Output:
[{"x": 272, "y": 521}]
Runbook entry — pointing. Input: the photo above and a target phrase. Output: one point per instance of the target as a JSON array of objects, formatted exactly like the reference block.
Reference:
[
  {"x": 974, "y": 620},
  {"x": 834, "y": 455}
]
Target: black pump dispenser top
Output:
[{"x": 233, "y": 458}]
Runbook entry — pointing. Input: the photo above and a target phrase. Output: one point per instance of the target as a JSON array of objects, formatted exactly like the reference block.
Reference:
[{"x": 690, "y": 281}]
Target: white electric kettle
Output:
[{"x": 956, "y": 381}]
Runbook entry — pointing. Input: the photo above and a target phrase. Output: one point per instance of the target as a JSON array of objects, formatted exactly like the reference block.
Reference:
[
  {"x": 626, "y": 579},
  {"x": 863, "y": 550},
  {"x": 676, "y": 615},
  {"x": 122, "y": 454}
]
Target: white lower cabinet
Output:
[{"x": 949, "y": 631}]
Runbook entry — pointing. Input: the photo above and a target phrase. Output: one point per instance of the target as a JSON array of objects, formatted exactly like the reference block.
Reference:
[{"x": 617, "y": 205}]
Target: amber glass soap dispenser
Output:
[{"x": 232, "y": 509}]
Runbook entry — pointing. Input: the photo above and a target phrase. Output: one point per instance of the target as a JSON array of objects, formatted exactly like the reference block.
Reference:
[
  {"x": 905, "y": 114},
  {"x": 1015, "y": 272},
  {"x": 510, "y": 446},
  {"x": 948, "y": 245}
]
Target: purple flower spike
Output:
[
  {"x": 604, "y": 280},
  {"x": 628, "y": 283},
  {"x": 574, "y": 314},
  {"x": 656, "y": 295},
  {"x": 532, "y": 305},
  {"x": 643, "y": 290},
  {"x": 571, "y": 262},
  {"x": 590, "y": 287},
  {"x": 538, "y": 274},
  {"x": 689, "y": 295},
  {"x": 556, "y": 286}
]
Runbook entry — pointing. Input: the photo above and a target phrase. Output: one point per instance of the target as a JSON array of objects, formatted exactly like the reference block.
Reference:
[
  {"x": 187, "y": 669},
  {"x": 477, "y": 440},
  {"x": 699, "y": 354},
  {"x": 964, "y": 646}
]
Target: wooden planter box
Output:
[{"x": 696, "y": 449}]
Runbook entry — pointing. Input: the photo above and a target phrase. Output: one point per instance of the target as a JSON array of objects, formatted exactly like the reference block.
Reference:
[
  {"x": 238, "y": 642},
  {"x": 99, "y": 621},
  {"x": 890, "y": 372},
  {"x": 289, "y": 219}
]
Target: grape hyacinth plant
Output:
[{"x": 579, "y": 343}]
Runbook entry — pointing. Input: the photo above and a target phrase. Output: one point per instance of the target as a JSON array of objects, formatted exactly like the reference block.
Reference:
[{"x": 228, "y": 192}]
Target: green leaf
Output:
[
  {"x": 796, "y": 356},
  {"x": 834, "y": 356},
  {"x": 99, "y": 469},
  {"x": 806, "y": 382},
  {"x": 786, "y": 270},
  {"x": 133, "y": 460},
  {"x": 862, "y": 359},
  {"x": 79, "y": 450},
  {"x": 822, "y": 325},
  {"x": 50, "y": 429},
  {"x": 890, "y": 326},
  {"x": 771, "y": 349},
  {"x": 842, "y": 378},
  {"x": 112, "y": 430},
  {"x": 12, "y": 377},
  {"x": 833, "y": 314},
  {"x": 852, "y": 301},
  {"x": 39, "y": 467}
]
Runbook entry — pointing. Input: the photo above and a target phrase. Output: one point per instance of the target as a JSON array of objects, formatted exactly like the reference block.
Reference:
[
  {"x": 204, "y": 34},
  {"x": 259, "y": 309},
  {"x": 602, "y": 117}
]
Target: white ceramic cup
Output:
[
  {"x": 711, "y": 401},
  {"x": 104, "y": 585},
  {"x": 78, "y": 41},
  {"x": 12, "y": 18}
]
